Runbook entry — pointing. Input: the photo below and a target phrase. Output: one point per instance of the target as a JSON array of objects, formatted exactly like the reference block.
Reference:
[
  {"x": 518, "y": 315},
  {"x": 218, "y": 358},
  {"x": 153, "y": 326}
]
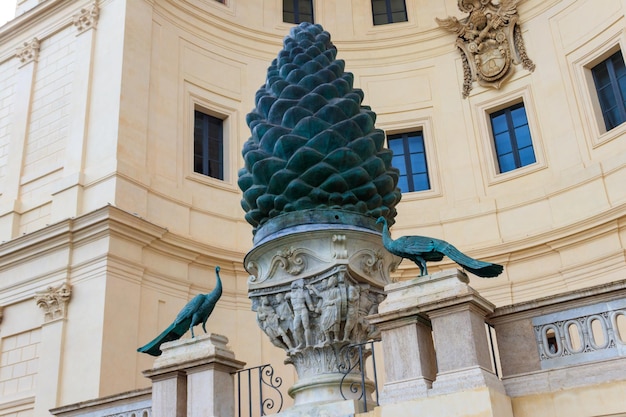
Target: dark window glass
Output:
[
  {"x": 298, "y": 11},
  {"x": 514, "y": 146},
  {"x": 409, "y": 156},
  {"x": 208, "y": 146},
  {"x": 609, "y": 77},
  {"x": 388, "y": 11}
]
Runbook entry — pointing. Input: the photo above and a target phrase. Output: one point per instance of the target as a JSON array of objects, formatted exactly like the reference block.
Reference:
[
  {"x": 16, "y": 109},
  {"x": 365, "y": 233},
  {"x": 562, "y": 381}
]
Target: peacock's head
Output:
[
  {"x": 382, "y": 220},
  {"x": 217, "y": 269}
]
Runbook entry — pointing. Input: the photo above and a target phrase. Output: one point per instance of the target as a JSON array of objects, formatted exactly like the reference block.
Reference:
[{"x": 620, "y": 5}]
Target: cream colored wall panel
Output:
[
  {"x": 578, "y": 203},
  {"x": 98, "y": 194},
  {"x": 50, "y": 118},
  {"x": 167, "y": 267},
  {"x": 208, "y": 68},
  {"x": 19, "y": 364},
  {"x": 596, "y": 400},
  {"x": 614, "y": 180},
  {"x": 473, "y": 232},
  {"x": 122, "y": 297},
  {"x": 398, "y": 90},
  {"x": 35, "y": 219},
  {"x": 213, "y": 229},
  {"x": 166, "y": 212},
  {"x": 528, "y": 266},
  {"x": 7, "y": 92},
  {"x": 590, "y": 249},
  {"x": 524, "y": 220},
  {"x": 582, "y": 19},
  {"x": 131, "y": 196},
  {"x": 82, "y": 345}
]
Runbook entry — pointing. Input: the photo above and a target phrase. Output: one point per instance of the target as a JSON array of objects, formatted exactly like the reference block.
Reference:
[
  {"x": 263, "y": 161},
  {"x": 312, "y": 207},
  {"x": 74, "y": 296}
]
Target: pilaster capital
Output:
[
  {"x": 28, "y": 52},
  {"x": 86, "y": 18},
  {"x": 54, "y": 300}
]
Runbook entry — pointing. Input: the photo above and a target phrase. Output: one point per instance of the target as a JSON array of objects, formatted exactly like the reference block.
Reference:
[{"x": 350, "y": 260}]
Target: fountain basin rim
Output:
[{"x": 315, "y": 219}]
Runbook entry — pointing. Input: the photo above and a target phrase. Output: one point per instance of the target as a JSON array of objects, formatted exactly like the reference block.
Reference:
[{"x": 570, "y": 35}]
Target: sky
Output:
[{"x": 7, "y": 11}]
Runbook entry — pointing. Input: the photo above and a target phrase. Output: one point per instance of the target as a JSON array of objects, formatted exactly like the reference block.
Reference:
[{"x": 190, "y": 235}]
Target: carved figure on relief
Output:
[
  {"x": 352, "y": 304},
  {"x": 269, "y": 322},
  {"x": 490, "y": 41},
  {"x": 329, "y": 306},
  {"x": 301, "y": 303}
]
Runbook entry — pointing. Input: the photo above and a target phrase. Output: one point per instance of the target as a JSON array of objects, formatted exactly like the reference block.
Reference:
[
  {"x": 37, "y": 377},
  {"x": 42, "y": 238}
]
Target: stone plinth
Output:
[
  {"x": 192, "y": 378},
  {"x": 457, "y": 362}
]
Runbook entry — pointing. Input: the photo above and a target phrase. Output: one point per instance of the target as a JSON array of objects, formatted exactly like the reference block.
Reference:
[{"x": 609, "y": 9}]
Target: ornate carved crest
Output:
[
  {"x": 490, "y": 41},
  {"x": 54, "y": 301},
  {"x": 28, "y": 52},
  {"x": 87, "y": 18}
]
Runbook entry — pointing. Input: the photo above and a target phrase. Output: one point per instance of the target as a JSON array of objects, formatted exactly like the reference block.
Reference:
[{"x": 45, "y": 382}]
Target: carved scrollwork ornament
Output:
[
  {"x": 490, "y": 41},
  {"x": 53, "y": 301},
  {"x": 86, "y": 18},
  {"x": 29, "y": 52}
]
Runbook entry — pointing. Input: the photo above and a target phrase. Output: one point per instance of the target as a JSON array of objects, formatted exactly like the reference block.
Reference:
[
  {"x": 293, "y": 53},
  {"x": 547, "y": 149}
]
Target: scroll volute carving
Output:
[
  {"x": 490, "y": 41},
  {"x": 53, "y": 301}
]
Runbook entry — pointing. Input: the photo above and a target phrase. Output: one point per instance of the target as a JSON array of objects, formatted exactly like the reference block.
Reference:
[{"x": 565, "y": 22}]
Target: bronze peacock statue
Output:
[
  {"x": 197, "y": 311},
  {"x": 421, "y": 249}
]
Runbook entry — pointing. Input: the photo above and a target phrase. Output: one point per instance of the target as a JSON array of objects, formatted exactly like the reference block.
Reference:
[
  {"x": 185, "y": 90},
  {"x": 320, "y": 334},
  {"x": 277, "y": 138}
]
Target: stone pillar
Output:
[
  {"x": 68, "y": 194},
  {"x": 456, "y": 312},
  {"x": 10, "y": 208},
  {"x": 193, "y": 378},
  {"x": 53, "y": 301},
  {"x": 312, "y": 287},
  {"x": 405, "y": 334}
]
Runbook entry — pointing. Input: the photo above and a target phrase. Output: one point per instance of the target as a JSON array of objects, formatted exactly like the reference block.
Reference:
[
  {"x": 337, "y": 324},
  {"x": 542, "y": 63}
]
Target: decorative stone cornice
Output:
[
  {"x": 29, "y": 52},
  {"x": 54, "y": 300},
  {"x": 87, "y": 18},
  {"x": 490, "y": 41}
]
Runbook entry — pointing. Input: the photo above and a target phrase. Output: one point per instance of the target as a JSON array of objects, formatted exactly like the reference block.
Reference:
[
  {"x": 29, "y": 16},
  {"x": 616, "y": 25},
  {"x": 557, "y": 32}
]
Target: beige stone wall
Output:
[{"x": 105, "y": 116}]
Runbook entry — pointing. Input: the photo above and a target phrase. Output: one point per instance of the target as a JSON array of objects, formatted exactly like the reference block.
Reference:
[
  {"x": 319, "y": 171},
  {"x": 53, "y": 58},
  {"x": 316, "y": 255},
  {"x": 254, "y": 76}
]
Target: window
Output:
[
  {"x": 208, "y": 145},
  {"x": 609, "y": 77},
  {"x": 409, "y": 156},
  {"x": 388, "y": 11},
  {"x": 511, "y": 134},
  {"x": 298, "y": 11}
]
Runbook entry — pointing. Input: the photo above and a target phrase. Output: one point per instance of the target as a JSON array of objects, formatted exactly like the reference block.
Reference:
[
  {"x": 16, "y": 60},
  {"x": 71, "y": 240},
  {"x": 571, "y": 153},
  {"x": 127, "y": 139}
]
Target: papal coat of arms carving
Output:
[{"x": 490, "y": 41}]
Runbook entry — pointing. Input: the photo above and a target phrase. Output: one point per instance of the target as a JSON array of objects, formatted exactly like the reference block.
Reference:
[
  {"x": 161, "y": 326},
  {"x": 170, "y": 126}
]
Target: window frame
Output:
[
  {"x": 513, "y": 138},
  {"x": 407, "y": 157},
  {"x": 206, "y": 155},
  {"x": 296, "y": 7},
  {"x": 486, "y": 141},
  {"x": 402, "y": 122},
  {"x": 388, "y": 12},
  {"x": 614, "y": 87},
  {"x": 580, "y": 61},
  {"x": 208, "y": 102}
]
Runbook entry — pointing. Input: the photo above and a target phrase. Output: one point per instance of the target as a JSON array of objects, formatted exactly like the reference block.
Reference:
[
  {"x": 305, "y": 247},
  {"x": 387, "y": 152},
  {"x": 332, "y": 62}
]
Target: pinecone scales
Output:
[{"x": 313, "y": 145}]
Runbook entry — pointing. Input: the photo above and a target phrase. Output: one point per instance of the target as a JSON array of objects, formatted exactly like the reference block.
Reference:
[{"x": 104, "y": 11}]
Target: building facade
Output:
[{"x": 121, "y": 128}]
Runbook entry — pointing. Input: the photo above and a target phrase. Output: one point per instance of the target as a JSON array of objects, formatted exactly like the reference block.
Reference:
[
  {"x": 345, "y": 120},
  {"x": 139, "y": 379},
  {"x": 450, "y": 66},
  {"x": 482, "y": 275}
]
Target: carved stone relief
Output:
[
  {"x": 29, "y": 52},
  {"x": 323, "y": 312},
  {"x": 490, "y": 41},
  {"x": 54, "y": 301},
  {"x": 87, "y": 18}
]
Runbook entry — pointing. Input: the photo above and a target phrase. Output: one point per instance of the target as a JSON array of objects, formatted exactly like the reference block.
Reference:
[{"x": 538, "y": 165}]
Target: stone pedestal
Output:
[
  {"x": 458, "y": 362},
  {"x": 192, "y": 378},
  {"x": 313, "y": 284}
]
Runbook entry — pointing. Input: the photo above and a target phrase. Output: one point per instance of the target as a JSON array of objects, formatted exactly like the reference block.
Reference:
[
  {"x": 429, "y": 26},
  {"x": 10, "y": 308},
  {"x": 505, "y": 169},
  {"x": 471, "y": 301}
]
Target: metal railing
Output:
[
  {"x": 264, "y": 392},
  {"x": 353, "y": 363}
]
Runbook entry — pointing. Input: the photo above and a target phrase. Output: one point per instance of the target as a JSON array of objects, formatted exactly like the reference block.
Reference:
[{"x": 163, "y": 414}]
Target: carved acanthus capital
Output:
[
  {"x": 28, "y": 52},
  {"x": 490, "y": 41},
  {"x": 87, "y": 18},
  {"x": 54, "y": 301}
]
